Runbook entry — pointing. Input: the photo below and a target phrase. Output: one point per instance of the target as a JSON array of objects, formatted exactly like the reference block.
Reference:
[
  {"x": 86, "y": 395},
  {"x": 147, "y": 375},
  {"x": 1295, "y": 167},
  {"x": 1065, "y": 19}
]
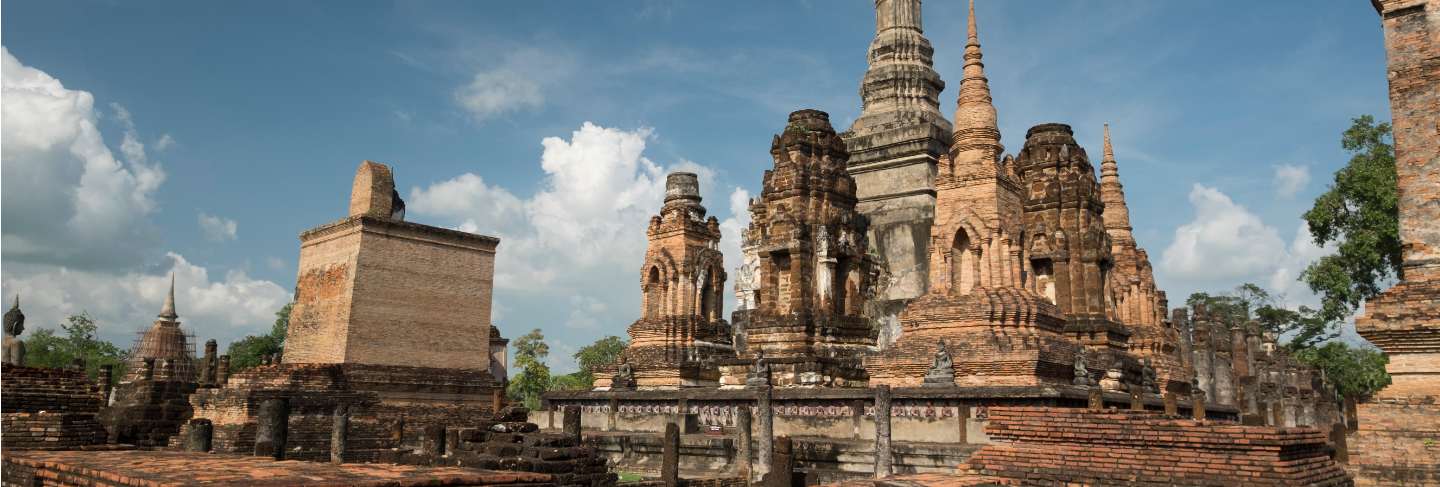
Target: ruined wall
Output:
[
  {"x": 1057, "y": 447},
  {"x": 49, "y": 409}
]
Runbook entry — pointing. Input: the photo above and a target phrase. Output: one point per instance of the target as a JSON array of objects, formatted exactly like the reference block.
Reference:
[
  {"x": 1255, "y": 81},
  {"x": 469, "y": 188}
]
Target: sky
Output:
[{"x": 142, "y": 139}]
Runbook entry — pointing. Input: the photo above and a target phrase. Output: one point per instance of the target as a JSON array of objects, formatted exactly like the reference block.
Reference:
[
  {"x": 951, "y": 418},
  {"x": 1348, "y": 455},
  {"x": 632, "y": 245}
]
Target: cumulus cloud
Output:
[
  {"x": 68, "y": 199},
  {"x": 732, "y": 227},
  {"x": 1226, "y": 244},
  {"x": 218, "y": 229},
  {"x": 1290, "y": 179},
  {"x": 570, "y": 252},
  {"x": 517, "y": 82},
  {"x": 223, "y": 307},
  {"x": 164, "y": 143},
  {"x": 77, "y": 233}
]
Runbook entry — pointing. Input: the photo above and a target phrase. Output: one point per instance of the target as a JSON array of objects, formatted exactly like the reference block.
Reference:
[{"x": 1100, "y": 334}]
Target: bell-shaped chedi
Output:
[
  {"x": 812, "y": 270},
  {"x": 163, "y": 342},
  {"x": 680, "y": 332},
  {"x": 999, "y": 330}
]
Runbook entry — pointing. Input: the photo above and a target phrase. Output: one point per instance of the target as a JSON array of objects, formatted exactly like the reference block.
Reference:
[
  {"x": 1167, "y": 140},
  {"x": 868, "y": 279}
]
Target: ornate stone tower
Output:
[
  {"x": 978, "y": 300},
  {"x": 813, "y": 269},
  {"x": 680, "y": 332},
  {"x": 1070, "y": 250},
  {"x": 895, "y": 147},
  {"x": 1134, "y": 298}
]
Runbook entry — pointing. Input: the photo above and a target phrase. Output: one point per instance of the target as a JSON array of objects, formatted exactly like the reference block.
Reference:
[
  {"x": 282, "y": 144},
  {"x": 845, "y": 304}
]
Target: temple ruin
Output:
[{"x": 915, "y": 305}]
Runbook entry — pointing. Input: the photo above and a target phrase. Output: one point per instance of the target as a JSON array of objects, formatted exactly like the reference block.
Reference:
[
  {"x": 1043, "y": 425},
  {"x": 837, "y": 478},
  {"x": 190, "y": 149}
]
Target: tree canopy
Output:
[
  {"x": 534, "y": 377},
  {"x": 1359, "y": 213},
  {"x": 251, "y": 351},
  {"x": 1357, "y": 372},
  {"x": 44, "y": 348},
  {"x": 1302, "y": 327}
]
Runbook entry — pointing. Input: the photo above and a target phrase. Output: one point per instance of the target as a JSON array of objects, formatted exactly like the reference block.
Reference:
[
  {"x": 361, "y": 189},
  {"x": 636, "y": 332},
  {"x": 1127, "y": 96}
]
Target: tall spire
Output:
[
  {"x": 167, "y": 310},
  {"x": 975, "y": 119},
  {"x": 1112, "y": 193},
  {"x": 1107, "y": 164}
]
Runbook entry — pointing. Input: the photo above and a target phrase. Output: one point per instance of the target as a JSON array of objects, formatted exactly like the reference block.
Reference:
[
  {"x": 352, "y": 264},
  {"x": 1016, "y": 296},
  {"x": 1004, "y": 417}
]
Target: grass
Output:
[{"x": 629, "y": 477}]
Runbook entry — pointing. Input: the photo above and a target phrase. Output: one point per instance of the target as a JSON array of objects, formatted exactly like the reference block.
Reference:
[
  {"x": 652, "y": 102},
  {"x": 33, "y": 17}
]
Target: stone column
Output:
[
  {"x": 743, "y": 452},
  {"x": 883, "y": 459},
  {"x": 339, "y": 434},
  {"x": 1172, "y": 407},
  {"x": 571, "y": 423},
  {"x": 107, "y": 372},
  {"x": 222, "y": 371},
  {"x": 670, "y": 456},
  {"x": 147, "y": 369},
  {"x": 274, "y": 420},
  {"x": 782, "y": 464},
  {"x": 199, "y": 435},
  {"x": 610, "y": 417},
  {"x": 1137, "y": 401},
  {"x": 1197, "y": 405},
  {"x": 766, "y": 419}
]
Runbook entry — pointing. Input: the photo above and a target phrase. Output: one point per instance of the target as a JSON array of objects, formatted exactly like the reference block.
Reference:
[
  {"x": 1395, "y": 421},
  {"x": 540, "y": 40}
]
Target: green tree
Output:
[
  {"x": 603, "y": 352},
  {"x": 534, "y": 377},
  {"x": 590, "y": 358},
  {"x": 46, "y": 349},
  {"x": 1360, "y": 214},
  {"x": 1357, "y": 372},
  {"x": 250, "y": 351}
]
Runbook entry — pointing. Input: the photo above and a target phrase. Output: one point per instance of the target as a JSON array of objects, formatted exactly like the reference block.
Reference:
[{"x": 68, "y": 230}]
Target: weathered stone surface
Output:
[
  {"x": 814, "y": 270},
  {"x": 894, "y": 147},
  {"x": 48, "y": 409}
]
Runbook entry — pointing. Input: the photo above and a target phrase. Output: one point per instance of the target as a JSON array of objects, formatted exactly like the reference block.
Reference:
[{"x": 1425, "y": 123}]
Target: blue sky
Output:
[{"x": 209, "y": 135}]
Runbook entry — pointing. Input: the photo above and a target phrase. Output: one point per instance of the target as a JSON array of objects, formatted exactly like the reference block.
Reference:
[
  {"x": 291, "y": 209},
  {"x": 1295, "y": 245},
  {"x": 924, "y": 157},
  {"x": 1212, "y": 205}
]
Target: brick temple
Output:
[{"x": 917, "y": 306}]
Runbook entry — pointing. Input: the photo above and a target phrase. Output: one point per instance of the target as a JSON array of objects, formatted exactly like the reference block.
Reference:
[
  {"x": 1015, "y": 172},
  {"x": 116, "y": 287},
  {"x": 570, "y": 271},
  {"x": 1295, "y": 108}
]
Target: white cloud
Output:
[
  {"x": 275, "y": 263},
  {"x": 225, "y": 307},
  {"x": 732, "y": 227},
  {"x": 1226, "y": 245},
  {"x": 164, "y": 143},
  {"x": 585, "y": 311},
  {"x": 1225, "y": 240},
  {"x": 218, "y": 229},
  {"x": 1290, "y": 179},
  {"x": 518, "y": 82},
  {"x": 68, "y": 199},
  {"x": 77, "y": 231}
]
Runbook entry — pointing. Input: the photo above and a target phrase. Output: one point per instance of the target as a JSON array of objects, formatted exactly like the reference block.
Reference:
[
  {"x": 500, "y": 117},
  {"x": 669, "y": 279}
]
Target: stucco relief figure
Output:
[
  {"x": 1082, "y": 373},
  {"x": 760, "y": 374},
  {"x": 624, "y": 376},
  {"x": 1147, "y": 375},
  {"x": 14, "y": 325},
  {"x": 942, "y": 368}
]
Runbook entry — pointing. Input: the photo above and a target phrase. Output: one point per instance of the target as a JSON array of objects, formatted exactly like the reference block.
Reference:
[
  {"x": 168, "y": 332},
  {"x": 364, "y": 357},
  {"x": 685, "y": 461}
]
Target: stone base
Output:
[
  {"x": 49, "y": 409},
  {"x": 996, "y": 337},
  {"x": 661, "y": 376},
  {"x": 1397, "y": 443},
  {"x": 796, "y": 372}
]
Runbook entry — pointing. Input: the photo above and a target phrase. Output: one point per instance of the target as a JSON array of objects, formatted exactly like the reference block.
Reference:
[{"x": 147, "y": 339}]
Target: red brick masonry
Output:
[
  {"x": 161, "y": 468},
  {"x": 1056, "y": 446}
]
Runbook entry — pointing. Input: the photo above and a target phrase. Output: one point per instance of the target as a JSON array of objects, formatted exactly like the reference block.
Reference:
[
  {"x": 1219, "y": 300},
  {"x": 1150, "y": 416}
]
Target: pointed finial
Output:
[
  {"x": 973, "y": 37},
  {"x": 167, "y": 310},
  {"x": 16, "y": 305},
  {"x": 1109, "y": 151}
]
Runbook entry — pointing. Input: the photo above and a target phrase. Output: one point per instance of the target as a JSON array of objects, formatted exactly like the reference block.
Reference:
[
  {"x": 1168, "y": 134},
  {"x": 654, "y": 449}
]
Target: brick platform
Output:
[
  {"x": 157, "y": 468},
  {"x": 1050, "y": 446}
]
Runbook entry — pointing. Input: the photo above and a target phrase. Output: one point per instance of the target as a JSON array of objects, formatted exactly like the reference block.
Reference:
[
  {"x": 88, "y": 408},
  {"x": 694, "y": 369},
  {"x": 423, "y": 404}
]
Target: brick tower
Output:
[
  {"x": 1404, "y": 321},
  {"x": 1134, "y": 298},
  {"x": 895, "y": 147},
  {"x": 680, "y": 330},
  {"x": 813, "y": 272},
  {"x": 375, "y": 289},
  {"x": 998, "y": 329}
]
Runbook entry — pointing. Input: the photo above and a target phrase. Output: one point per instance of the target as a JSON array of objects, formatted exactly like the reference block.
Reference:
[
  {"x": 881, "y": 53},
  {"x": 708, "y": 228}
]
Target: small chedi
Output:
[
  {"x": 812, "y": 269},
  {"x": 151, "y": 401},
  {"x": 1007, "y": 334},
  {"x": 681, "y": 331}
]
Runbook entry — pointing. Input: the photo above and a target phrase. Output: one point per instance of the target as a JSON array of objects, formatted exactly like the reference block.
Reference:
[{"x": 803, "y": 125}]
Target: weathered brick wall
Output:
[
  {"x": 48, "y": 408},
  {"x": 1059, "y": 447},
  {"x": 1396, "y": 443}
]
